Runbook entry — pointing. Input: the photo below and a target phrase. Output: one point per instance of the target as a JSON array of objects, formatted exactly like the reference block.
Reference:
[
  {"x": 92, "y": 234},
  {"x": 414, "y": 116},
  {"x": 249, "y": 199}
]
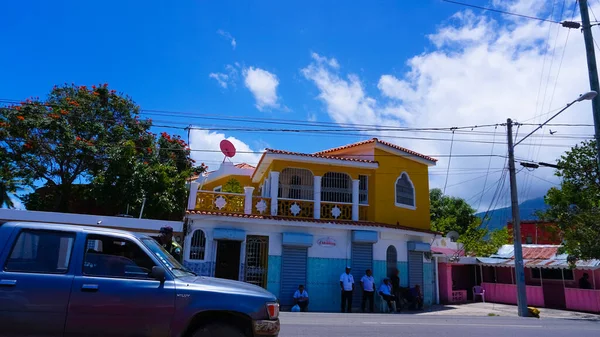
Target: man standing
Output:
[
  {"x": 301, "y": 298},
  {"x": 396, "y": 289},
  {"x": 347, "y": 285},
  {"x": 367, "y": 284},
  {"x": 166, "y": 240}
]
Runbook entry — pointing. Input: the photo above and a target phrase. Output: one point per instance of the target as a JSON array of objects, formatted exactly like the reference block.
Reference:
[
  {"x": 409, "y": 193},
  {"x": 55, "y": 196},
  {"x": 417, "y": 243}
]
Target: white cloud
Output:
[
  {"x": 226, "y": 79},
  {"x": 480, "y": 71},
  {"x": 220, "y": 78},
  {"x": 263, "y": 86},
  {"x": 229, "y": 37},
  {"x": 206, "y": 149}
]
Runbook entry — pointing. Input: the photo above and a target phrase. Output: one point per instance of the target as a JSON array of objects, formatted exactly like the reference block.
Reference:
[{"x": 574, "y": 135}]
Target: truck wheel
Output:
[{"x": 218, "y": 330}]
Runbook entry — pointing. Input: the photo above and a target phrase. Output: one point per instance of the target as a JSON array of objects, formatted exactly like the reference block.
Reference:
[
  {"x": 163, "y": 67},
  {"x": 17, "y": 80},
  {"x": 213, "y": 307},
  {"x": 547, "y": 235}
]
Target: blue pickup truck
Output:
[{"x": 64, "y": 280}]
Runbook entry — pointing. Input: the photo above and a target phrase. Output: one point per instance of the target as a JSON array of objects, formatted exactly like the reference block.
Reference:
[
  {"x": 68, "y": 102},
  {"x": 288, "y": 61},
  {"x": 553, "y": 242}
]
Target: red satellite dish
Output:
[{"x": 227, "y": 148}]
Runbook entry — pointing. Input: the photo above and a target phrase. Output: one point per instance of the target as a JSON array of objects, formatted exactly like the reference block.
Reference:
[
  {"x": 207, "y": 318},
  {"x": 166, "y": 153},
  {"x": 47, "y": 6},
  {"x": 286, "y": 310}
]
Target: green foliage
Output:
[
  {"x": 68, "y": 136},
  {"x": 233, "y": 186},
  {"x": 575, "y": 206},
  {"x": 455, "y": 214},
  {"x": 96, "y": 136}
]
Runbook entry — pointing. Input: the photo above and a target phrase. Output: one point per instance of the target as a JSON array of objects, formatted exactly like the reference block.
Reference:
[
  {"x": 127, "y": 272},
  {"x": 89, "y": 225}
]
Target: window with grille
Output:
[
  {"x": 363, "y": 190},
  {"x": 405, "y": 191},
  {"x": 336, "y": 187},
  {"x": 198, "y": 245},
  {"x": 295, "y": 183}
]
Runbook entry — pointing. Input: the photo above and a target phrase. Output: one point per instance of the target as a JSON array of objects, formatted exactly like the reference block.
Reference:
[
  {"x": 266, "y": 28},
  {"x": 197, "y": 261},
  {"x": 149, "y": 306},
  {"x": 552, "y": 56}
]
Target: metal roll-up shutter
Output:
[
  {"x": 415, "y": 269},
  {"x": 293, "y": 273},
  {"x": 362, "y": 259}
]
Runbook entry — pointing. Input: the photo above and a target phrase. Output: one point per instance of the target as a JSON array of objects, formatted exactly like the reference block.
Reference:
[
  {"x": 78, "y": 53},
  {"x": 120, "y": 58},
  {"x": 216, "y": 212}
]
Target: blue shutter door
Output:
[
  {"x": 415, "y": 269},
  {"x": 362, "y": 259},
  {"x": 293, "y": 273}
]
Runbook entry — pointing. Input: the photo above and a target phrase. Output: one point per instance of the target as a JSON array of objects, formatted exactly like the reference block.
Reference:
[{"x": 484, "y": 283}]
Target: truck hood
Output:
[{"x": 204, "y": 283}]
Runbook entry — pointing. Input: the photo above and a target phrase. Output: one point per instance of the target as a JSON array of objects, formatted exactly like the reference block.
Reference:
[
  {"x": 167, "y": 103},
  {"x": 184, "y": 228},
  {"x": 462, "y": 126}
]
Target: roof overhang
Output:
[
  {"x": 268, "y": 158},
  {"x": 306, "y": 224},
  {"x": 404, "y": 154},
  {"x": 226, "y": 169}
]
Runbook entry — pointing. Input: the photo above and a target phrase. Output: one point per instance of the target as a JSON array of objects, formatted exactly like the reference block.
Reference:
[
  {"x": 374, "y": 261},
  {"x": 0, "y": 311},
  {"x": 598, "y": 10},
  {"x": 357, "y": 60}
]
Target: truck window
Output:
[
  {"x": 110, "y": 256},
  {"x": 46, "y": 252}
]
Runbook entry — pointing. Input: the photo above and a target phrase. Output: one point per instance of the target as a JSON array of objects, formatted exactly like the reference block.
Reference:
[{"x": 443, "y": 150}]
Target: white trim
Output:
[
  {"x": 219, "y": 188},
  {"x": 269, "y": 157},
  {"x": 414, "y": 207},
  {"x": 306, "y": 224},
  {"x": 404, "y": 154}
]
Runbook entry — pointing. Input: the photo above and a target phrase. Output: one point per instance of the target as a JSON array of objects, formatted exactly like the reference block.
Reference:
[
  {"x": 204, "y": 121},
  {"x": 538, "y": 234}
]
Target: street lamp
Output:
[{"x": 519, "y": 267}]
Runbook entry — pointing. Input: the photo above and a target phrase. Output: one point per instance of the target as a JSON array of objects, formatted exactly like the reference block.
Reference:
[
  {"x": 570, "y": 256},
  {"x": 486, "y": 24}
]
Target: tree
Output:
[
  {"x": 68, "y": 136},
  {"x": 455, "y": 214},
  {"x": 233, "y": 186},
  {"x": 575, "y": 206},
  {"x": 157, "y": 172}
]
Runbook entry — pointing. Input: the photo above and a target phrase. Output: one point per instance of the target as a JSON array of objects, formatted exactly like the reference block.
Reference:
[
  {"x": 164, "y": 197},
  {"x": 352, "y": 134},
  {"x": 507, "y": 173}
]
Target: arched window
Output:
[
  {"x": 336, "y": 187},
  {"x": 405, "y": 192},
  {"x": 296, "y": 183},
  {"x": 391, "y": 259},
  {"x": 198, "y": 245}
]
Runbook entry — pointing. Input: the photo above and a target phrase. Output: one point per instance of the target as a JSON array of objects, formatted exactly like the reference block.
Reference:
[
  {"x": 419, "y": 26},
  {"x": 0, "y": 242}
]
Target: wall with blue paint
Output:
[
  {"x": 274, "y": 275},
  {"x": 428, "y": 284},
  {"x": 201, "y": 268},
  {"x": 323, "y": 283},
  {"x": 403, "y": 268}
]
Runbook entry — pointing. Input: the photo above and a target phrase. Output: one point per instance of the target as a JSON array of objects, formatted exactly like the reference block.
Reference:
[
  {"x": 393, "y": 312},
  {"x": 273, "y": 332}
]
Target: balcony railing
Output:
[
  {"x": 220, "y": 202},
  {"x": 250, "y": 204}
]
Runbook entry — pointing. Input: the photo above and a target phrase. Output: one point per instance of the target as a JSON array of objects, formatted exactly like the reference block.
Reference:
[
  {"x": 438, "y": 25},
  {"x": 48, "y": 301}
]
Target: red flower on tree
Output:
[{"x": 21, "y": 118}]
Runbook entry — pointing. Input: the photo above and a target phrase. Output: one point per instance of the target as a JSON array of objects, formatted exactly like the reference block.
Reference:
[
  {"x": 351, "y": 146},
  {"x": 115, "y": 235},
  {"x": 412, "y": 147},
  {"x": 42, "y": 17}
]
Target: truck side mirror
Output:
[{"x": 159, "y": 274}]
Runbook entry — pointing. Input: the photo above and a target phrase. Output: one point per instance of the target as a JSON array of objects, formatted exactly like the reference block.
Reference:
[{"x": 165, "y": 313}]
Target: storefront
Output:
[{"x": 280, "y": 254}]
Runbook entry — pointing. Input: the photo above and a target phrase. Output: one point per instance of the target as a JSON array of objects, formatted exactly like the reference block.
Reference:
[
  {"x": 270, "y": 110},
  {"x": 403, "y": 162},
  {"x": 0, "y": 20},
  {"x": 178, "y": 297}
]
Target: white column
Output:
[
  {"x": 355, "y": 185},
  {"x": 248, "y": 191},
  {"x": 317, "y": 196},
  {"x": 274, "y": 191},
  {"x": 193, "y": 194}
]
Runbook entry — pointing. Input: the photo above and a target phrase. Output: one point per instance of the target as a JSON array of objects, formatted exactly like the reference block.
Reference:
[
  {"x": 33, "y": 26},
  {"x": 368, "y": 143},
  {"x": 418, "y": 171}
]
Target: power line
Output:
[{"x": 502, "y": 12}]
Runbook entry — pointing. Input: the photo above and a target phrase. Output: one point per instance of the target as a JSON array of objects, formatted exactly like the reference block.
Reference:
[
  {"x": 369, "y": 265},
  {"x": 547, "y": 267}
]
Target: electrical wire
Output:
[{"x": 500, "y": 11}]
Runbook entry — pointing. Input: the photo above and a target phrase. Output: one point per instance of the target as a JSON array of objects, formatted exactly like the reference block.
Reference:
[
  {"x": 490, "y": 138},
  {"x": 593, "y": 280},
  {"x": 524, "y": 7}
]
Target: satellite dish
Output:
[
  {"x": 452, "y": 235},
  {"x": 227, "y": 148}
]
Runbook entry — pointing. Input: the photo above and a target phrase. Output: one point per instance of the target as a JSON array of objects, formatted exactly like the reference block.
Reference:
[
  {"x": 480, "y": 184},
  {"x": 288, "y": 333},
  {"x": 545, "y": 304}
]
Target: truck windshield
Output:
[{"x": 167, "y": 259}]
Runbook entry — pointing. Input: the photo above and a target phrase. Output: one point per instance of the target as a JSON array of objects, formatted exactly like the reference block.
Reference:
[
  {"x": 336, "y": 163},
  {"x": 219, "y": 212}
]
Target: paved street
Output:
[{"x": 409, "y": 325}]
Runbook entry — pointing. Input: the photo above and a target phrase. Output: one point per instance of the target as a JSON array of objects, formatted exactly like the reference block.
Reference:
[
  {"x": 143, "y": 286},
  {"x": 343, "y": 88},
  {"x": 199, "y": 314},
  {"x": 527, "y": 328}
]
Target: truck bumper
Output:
[{"x": 266, "y": 328}]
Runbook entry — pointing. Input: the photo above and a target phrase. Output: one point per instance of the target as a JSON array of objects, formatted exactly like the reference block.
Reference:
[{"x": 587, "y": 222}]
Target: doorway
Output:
[
  {"x": 257, "y": 260},
  {"x": 227, "y": 264}
]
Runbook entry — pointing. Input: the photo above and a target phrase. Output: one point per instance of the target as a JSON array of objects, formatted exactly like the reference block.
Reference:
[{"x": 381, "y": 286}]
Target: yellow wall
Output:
[
  {"x": 383, "y": 185},
  {"x": 244, "y": 181}
]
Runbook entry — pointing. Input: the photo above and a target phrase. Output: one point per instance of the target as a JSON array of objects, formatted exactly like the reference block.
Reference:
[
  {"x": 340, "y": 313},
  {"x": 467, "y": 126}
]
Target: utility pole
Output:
[
  {"x": 519, "y": 267},
  {"x": 592, "y": 72}
]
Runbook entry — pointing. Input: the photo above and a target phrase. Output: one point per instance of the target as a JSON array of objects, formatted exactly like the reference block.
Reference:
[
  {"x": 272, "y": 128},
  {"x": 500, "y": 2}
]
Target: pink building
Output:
[{"x": 550, "y": 281}]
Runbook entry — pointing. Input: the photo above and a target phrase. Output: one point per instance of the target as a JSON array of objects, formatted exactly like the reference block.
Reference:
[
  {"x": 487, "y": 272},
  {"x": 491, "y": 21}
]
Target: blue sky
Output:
[{"x": 393, "y": 63}]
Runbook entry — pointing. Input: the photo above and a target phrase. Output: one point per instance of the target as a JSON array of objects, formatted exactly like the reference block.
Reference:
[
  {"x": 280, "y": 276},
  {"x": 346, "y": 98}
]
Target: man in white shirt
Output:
[
  {"x": 301, "y": 298},
  {"x": 347, "y": 285},
  {"x": 367, "y": 283}
]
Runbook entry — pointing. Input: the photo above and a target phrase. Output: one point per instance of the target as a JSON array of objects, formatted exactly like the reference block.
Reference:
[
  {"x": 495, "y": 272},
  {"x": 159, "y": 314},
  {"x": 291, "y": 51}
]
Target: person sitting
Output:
[
  {"x": 301, "y": 298},
  {"x": 415, "y": 299},
  {"x": 385, "y": 291},
  {"x": 584, "y": 283}
]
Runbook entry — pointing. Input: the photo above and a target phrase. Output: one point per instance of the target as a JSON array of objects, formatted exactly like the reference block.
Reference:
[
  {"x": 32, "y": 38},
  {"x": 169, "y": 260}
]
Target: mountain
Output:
[{"x": 500, "y": 216}]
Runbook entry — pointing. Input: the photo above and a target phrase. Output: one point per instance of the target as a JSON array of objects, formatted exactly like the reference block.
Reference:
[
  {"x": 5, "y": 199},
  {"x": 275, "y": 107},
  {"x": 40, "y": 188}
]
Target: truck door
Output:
[
  {"x": 114, "y": 295},
  {"x": 35, "y": 283}
]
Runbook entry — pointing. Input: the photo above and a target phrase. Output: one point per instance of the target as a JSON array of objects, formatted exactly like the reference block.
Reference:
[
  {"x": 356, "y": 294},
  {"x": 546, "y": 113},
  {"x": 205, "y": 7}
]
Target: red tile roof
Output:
[
  {"x": 375, "y": 140},
  {"x": 319, "y": 221},
  {"x": 316, "y": 155},
  {"x": 539, "y": 253}
]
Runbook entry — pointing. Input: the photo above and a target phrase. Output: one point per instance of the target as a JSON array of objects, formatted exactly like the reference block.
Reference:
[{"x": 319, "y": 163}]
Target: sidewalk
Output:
[{"x": 503, "y": 310}]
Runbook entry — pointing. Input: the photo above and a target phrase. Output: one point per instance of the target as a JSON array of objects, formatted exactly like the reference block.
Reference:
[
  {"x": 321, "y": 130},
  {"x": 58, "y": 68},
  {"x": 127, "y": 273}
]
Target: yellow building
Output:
[{"x": 309, "y": 215}]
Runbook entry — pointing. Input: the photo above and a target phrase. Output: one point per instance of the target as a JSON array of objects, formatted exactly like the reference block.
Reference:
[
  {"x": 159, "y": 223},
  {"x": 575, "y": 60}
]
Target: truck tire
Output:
[{"x": 218, "y": 330}]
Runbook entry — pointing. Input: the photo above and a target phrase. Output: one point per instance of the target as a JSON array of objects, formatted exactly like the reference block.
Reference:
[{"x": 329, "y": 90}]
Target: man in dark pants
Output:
[
  {"x": 396, "y": 289},
  {"x": 367, "y": 284},
  {"x": 347, "y": 286}
]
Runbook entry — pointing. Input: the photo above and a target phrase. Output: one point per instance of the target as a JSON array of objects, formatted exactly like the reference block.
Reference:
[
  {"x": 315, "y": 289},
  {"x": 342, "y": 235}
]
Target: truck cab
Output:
[{"x": 65, "y": 280}]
